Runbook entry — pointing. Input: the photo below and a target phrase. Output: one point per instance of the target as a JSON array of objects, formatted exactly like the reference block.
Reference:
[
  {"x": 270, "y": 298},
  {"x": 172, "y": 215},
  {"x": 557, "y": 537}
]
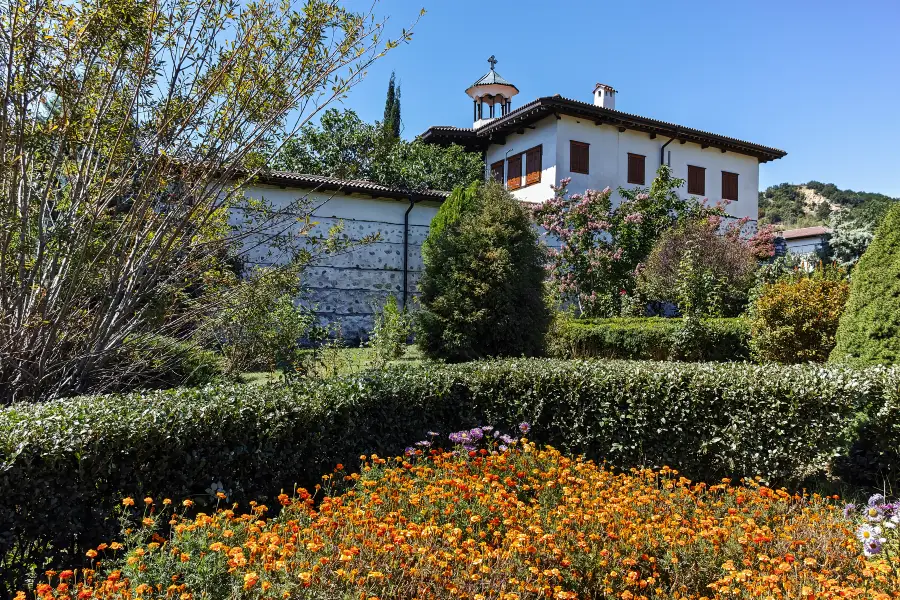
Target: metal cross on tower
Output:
[{"x": 492, "y": 61}]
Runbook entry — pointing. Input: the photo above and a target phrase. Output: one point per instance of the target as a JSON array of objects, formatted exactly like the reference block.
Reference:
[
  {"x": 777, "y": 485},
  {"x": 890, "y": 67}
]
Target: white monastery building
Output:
[
  {"x": 549, "y": 139},
  {"x": 528, "y": 149}
]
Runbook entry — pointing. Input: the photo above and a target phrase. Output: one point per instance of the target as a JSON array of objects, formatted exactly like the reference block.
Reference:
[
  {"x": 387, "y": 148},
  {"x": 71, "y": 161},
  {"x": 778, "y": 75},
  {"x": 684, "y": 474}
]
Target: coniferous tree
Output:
[
  {"x": 392, "y": 110},
  {"x": 482, "y": 288},
  {"x": 395, "y": 115},
  {"x": 869, "y": 331}
]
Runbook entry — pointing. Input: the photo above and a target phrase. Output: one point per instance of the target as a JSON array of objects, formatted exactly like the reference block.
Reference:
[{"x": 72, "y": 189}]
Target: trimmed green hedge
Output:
[
  {"x": 65, "y": 465},
  {"x": 651, "y": 338}
]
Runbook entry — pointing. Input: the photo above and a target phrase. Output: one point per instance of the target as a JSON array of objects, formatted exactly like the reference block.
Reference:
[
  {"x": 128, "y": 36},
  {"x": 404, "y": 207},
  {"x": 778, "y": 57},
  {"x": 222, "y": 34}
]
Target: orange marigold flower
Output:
[
  {"x": 128, "y": 501},
  {"x": 250, "y": 580}
]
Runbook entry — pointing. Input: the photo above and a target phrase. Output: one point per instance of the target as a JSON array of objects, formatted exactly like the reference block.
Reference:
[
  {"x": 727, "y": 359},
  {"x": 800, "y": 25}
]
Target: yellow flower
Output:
[{"x": 128, "y": 502}]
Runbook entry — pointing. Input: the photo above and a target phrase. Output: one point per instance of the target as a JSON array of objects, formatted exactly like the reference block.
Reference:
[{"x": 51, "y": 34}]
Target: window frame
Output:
[
  {"x": 514, "y": 183},
  {"x": 502, "y": 171},
  {"x": 692, "y": 190},
  {"x": 540, "y": 166},
  {"x": 643, "y": 159},
  {"x": 737, "y": 185},
  {"x": 573, "y": 144}
]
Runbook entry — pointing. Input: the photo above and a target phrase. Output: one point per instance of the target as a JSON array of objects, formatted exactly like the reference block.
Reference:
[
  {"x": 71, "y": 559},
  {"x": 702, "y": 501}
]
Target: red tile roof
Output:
[
  {"x": 536, "y": 110},
  {"x": 805, "y": 232}
]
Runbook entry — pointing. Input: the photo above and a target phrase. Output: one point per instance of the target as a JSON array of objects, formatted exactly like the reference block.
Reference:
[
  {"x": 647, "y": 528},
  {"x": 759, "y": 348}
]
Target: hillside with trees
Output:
[{"x": 815, "y": 203}]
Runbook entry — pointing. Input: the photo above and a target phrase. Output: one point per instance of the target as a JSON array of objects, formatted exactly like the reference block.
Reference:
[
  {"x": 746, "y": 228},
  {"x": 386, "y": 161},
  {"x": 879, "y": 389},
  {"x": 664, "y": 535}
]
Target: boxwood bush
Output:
[
  {"x": 65, "y": 465},
  {"x": 652, "y": 338}
]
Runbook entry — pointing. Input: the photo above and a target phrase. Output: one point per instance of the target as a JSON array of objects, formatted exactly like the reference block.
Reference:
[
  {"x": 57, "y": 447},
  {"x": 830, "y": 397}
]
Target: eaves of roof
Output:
[
  {"x": 348, "y": 186},
  {"x": 497, "y": 130}
]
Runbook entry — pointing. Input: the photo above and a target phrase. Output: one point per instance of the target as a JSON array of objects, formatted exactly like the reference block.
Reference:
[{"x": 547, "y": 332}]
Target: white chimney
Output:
[{"x": 604, "y": 96}]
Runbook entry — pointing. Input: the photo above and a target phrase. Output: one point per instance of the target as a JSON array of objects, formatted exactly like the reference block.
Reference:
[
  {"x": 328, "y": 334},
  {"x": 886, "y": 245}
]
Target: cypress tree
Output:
[
  {"x": 395, "y": 115},
  {"x": 869, "y": 331},
  {"x": 392, "y": 109}
]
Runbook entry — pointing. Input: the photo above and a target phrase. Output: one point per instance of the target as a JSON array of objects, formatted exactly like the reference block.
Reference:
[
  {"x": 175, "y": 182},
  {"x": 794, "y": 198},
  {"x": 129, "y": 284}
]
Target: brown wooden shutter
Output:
[
  {"x": 514, "y": 172},
  {"x": 729, "y": 186},
  {"x": 497, "y": 171},
  {"x": 636, "y": 170},
  {"x": 579, "y": 157},
  {"x": 696, "y": 180},
  {"x": 533, "y": 165}
]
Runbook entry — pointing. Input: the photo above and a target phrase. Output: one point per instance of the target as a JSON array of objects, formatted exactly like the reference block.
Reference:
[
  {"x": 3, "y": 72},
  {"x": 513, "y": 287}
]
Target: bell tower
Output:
[{"x": 491, "y": 96}]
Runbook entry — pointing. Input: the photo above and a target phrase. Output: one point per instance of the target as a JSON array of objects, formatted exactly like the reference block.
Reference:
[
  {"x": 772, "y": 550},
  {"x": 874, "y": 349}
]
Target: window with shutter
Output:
[
  {"x": 514, "y": 172},
  {"x": 579, "y": 157},
  {"x": 533, "y": 165},
  {"x": 636, "y": 170},
  {"x": 729, "y": 186},
  {"x": 696, "y": 180},
  {"x": 497, "y": 171}
]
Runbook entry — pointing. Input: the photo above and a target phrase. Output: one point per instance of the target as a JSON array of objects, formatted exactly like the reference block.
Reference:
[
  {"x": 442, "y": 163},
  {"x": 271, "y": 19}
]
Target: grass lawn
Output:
[{"x": 340, "y": 361}]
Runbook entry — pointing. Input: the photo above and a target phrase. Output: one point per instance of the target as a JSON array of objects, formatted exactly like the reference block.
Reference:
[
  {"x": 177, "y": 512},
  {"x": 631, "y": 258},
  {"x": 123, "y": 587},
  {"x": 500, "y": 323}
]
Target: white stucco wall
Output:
[
  {"x": 544, "y": 134},
  {"x": 609, "y": 149},
  {"x": 347, "y": 288},
  {"x": 807, "y": 245}
]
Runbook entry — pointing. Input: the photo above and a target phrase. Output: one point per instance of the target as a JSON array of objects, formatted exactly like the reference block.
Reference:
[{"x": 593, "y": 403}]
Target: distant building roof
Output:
[
  {"x": 496, "y": 130},
  {"x": 805, "y": 232},
  {"x": 350, "y": 186}
]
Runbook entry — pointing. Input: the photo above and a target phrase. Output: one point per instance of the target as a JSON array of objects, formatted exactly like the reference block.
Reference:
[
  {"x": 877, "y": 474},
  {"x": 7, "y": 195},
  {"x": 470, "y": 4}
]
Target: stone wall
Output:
[{"x": 348, "y": 288}]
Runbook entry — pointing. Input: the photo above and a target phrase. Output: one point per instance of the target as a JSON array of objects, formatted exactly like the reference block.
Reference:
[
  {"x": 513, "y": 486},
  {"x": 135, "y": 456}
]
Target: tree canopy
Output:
[{"x": 343, "y": 145}]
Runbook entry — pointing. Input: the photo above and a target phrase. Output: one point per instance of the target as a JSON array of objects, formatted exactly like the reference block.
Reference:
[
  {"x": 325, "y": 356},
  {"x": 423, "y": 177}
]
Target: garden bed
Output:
[
  {"x": 65, "y": 465},
  {"x": 523, "y": 523}
]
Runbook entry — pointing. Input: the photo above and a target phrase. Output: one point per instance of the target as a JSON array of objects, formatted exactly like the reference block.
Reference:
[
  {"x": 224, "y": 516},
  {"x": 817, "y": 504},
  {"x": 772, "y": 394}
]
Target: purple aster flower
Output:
[
  {"x": 872, "y": 547},
  {"x": 459, "y": 437},
  {"x": 507, "y": 439},
  {"x": 433, "y": 434},
  {"x": 876, "y": 500},
  {"x": 524, "y": 427},
  {"x": 476, "y": 434},
  {"x": 487, "y": 428},
  {"x": 503, "y": 448},
  {"x": 496, "y": 434},
  {"x": 874, "y": 514},
  {"x": 410, "y": 451},
  {"x": 424, "y": 444},
  {"x": 468, "y": 447},
  {"x": 848, "y": 510}
]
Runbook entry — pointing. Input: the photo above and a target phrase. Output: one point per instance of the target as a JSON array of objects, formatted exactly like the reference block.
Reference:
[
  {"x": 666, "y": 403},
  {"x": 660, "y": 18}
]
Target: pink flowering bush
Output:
[
  {"x": 597, "y": 249},
  {"x": 600, "y": 246}
]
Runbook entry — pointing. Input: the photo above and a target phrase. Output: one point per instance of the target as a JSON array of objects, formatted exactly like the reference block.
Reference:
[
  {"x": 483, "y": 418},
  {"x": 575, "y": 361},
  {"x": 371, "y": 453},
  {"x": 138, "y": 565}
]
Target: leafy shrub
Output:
[
  {"x": 160, "y": 362},
  {"x": 81, "y": 456},
  {"x": 261, "y": 326},
  {"x": 869, "y": 331},
  {"x": 794, "y": 320},
  {"x": 699, "y": 270},
  {"x": 412, "y": 524},
  {"x": 653, "y": 338},
  {"x": 391, "y": 331},
  {"x": 481, "y": 290}
]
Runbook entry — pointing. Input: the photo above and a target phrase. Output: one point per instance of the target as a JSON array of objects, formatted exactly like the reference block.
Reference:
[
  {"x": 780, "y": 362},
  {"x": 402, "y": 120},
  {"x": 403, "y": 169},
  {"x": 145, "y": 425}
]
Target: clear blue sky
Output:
[{"x": 820, "y": 80}]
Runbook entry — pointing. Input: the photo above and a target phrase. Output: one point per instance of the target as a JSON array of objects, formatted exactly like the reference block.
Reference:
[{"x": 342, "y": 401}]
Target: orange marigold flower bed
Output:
[{"x": 526, "y": 523}]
